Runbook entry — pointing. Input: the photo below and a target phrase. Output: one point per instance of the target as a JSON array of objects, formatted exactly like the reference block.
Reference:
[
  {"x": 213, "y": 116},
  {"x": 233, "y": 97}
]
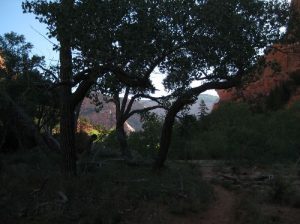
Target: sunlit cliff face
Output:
[{"x": 287, "y": 56}]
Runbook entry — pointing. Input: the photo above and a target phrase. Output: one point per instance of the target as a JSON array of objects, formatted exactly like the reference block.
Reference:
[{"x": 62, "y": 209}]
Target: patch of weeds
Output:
[
  {"x": 112, "y": 194},
  {"x": 281, "y": 190},
  {"x": 295, "y": 199},
  {"x": 248, "y": 211}
]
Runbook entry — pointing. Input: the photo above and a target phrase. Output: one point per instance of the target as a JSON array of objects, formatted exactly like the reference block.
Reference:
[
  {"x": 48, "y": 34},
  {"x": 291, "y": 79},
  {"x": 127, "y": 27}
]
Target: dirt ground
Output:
[{"x": 224, "y": 209}]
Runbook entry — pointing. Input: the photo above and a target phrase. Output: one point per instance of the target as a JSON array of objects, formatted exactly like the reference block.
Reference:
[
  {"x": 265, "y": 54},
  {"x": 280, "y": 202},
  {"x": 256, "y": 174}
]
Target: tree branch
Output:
[
  {"x": 143, "y": 110},
  {"x": 160, "y": 58},
  {"x": 50, "y": 72},
  {"x": 125, "y": 98},
  {"x": 86, "y": 84},
  {"x": 125, "y": 78},
  {"x": 80, "y": 76}
]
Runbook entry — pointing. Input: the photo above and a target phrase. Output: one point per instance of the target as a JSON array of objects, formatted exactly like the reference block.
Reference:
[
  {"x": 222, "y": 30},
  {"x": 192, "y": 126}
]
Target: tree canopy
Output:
[{"x": 212, "y": 41}]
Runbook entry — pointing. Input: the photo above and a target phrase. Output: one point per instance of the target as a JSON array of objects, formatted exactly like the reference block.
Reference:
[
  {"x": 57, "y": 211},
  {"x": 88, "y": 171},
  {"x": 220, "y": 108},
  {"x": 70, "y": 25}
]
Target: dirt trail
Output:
[{"x": 220, "y": 212}]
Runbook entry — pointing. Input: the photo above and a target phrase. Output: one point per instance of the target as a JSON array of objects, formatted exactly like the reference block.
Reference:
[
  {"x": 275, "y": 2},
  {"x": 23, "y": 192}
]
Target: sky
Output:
[{"x": 13, "y": 19}]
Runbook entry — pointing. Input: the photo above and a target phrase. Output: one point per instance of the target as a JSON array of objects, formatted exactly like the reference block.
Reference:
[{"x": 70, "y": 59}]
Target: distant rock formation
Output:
[
  {"x": 286, "y": 80},
  {"x": 106, "y": 116}
]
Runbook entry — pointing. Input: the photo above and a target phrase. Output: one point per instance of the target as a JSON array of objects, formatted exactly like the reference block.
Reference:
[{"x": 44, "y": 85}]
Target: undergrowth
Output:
[{"x": 32, "y": 190}]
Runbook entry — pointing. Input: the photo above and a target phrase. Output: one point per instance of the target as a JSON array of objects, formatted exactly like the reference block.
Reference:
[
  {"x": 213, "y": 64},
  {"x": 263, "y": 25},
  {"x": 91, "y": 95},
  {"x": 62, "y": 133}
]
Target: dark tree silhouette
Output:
[{"x": 203, "y": 110}]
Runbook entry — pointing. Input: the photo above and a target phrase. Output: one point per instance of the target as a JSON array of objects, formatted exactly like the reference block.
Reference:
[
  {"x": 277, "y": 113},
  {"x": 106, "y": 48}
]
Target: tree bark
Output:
[
  {"x": 67, "y": 139},
  {"x": 183, "y": 100},
  {"x": 167, "y": 129},
  {"x": 122, "y": 139},
  {"x": 67, "y": 130}
]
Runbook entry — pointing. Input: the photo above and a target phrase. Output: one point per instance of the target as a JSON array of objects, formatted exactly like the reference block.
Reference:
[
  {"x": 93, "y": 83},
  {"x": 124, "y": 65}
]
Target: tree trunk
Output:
[
  {"x": 166, "y": 133},
  {"x": 186, "y": 99},
  {"x": 67, "y": 107},
  {"x": 122, "y": 138},
  {"x": 67, "y": 129},
  {"x": 67, "y": 138}
]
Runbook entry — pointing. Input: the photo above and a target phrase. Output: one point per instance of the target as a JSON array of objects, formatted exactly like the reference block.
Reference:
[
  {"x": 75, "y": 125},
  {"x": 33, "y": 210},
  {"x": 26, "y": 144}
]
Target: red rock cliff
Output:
[{"x": 287, "y": 57}]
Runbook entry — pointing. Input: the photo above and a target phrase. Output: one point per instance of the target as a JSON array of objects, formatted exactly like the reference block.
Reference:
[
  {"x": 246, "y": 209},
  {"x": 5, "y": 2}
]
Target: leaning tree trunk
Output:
[
  {"x": 167, "y": 129},
  {"x": 122, "y": 139}
]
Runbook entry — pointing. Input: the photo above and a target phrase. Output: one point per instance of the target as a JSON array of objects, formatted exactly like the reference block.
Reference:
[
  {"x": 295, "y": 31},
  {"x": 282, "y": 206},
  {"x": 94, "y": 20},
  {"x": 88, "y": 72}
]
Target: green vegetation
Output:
[
  {"x": 276, "y": 202},
  {"x": 115, "y": 46},
  {"x": 232, "y": 132},
  {"x": 33, "y": 191}
]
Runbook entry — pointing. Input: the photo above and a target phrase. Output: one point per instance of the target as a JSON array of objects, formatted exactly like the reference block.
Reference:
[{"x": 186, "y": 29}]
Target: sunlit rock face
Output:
[
  {"x": 287, "y": 59},
  {"x": 2, "y": 65}
]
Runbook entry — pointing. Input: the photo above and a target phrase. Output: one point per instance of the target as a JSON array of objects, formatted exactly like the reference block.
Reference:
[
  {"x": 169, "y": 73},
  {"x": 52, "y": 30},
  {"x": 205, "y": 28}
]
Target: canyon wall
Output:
[{"x": 286, "y": 57}]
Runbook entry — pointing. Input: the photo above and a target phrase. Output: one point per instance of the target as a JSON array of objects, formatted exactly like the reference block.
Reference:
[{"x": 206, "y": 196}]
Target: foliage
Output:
[
  {"x": 203, "y": 110},
  {"x": 233, "y": 131},
  {"x": 24, "y": 82},
  {"x": 211, "y": 41},
  {"x": 146, "y": 142}
]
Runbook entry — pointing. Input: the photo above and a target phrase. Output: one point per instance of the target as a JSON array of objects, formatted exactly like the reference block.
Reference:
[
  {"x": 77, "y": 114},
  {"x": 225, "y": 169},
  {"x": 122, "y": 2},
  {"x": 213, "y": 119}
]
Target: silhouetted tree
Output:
[
  {"x": 203, "y": 110},
  {"x": 230, "y": 35},
  {"x": 23, "y": 93}
]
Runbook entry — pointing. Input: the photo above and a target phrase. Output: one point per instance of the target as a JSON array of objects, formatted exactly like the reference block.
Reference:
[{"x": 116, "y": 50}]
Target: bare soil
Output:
[
  {"x": 220, "y": 212},
  {"x": 225, "y": 207}
]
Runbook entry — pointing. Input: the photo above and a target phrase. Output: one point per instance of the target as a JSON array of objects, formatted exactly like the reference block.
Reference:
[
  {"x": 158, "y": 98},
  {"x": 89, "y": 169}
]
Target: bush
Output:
[{"x": 234, "y": 132}]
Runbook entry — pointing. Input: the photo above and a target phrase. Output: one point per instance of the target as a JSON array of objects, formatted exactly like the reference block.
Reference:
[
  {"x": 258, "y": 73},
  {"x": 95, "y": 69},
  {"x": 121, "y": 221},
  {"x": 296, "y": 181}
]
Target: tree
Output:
[
  {"x": 225, "y": 53},
  {"x": 188, "y": 41},
  {"x": 146, "y": 142},
  {"x": 22, "y": 93},
  {"x": 79, "y": 67},
  {"x": 203, "y": 110},
  {"x": 97, "y": 37},
  {"x": 123, "y": 105}
]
